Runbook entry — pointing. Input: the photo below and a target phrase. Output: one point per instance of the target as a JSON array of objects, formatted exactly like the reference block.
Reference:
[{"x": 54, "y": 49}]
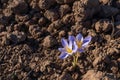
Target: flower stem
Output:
[{"x": 75, "y": 59}]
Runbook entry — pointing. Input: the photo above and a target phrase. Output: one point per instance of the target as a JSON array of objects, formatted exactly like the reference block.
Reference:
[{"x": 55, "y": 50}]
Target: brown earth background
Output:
[{"x": 31, "y": 32}]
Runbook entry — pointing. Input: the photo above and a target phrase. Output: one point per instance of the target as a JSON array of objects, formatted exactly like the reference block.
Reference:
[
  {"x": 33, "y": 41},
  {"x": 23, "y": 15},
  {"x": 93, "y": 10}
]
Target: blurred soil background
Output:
[{"x": 31, "y": 32}]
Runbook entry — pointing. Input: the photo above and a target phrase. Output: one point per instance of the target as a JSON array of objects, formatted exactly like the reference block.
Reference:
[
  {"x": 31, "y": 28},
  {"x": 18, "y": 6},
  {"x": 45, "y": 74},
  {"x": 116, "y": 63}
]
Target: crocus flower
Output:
[
  {"x": 81, "y": 42},
  {"x": 68, "y": 47}
]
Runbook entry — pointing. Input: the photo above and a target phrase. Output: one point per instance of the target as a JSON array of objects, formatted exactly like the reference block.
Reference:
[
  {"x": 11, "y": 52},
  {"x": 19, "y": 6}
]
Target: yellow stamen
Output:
[
  {"x": 68, "y": 50},
  {"x": 79, "y": 44}
]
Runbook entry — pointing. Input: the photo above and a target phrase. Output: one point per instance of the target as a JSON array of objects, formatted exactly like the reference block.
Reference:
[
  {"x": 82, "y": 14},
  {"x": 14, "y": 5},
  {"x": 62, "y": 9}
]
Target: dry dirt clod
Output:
[
  {"x": 5, "y": 41},
  {"x": 68, "y": 1},
  {"x": 60, "y": 1},
  {"x": 49, "y": 41},
  {"x": 19, "y": 7},
  {"x": 85, "y": 9},
  {"x": 68, "y": 19},
  {"x": 51, "y": 14},
  {"x": 35, "y": 31},
  {"x": 62, "y": 33},
  {"x": 66, "y": 76},
  {"x": 2, "y": 28},
  {"x": 44, "y": 64},
  {"x": 42, "y": 21},
  {"x": 97, "y": 61},
  {"x": 54, "y": 26},
  {"x": 7, "y": 12},
  {"x": 97, "y": 75},
  {"x": 22, "y": 18},
  {"x": 16, "y": 37},
  {"x": 93, "y": 75},
  {"x": 91, "y": 3},
  {"x": 103, "y": 25},
  {"x": 64, "y": 1},
  {"x": 46, "y": 4},
  {"x": 64, "y": 9},
  {"x": 104, "y": 1},
  {"x": 118, "y": 27}
]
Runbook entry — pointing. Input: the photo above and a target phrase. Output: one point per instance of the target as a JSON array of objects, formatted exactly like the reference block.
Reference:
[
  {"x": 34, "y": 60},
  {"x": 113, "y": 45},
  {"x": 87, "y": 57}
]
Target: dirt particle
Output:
[
  {"x": 19, "y": 7},
  {"x": 92, "y": 33},
  {"x": 18, "y": 27},
  {"x": 34, "y": 4},
  {"x": 103, "y": 25},
  {"x": 30, "y": 22},
  {"x": 46, "y": 4},
  {"x": 82, "y": 10},
  {"x": 77, "y": 27},
  {"x": 68, "y": 19},
  {"x": 32, "y": 65},
  {"x": 35, "y": 31},
  {"x": 22, "y": 18},
  {"x": 42, "y": 21},
  {"x": 49, "y": 41},
  {"x": 54, "y": 26},
  {"x": 44, "y": 64},
  {"x": 68, "y": 1},
  {"x": 66, "y": 76},
  {"x": 104, "y": 1},
  {"x": 5, "y": 41},
  {"x": 51, "y": 14},
  {"x": 97, "y": 75},
  {"x": 93, "y": 75},
  {"x": 91, "y": 3},
  {"x": 2, "y": 28},
  {"x": 60, "y": 1},
  {"x": 62, "y": 33},
  {"x": 97, "y": 61},
  {"x": 16, "y": 37},
  {"x": 118, "y": 27},
  {"x": 64, "y": 9},
  {"x": 114, "y": 67},
  {"x": 78, "y": 10},
  {"x": 7, "y": 12},
  {"x": 64, "y": 1}
]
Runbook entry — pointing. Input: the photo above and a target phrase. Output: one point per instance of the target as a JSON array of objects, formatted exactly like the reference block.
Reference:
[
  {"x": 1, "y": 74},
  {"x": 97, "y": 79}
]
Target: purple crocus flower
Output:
[
  {"x": 68, "y": 48},
  {"x": 81, "y": 42}
]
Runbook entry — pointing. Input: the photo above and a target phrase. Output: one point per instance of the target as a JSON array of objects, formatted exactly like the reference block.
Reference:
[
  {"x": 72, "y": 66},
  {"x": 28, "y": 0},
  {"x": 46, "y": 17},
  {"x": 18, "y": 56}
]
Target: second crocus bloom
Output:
[{"x": 81, "y": 42}]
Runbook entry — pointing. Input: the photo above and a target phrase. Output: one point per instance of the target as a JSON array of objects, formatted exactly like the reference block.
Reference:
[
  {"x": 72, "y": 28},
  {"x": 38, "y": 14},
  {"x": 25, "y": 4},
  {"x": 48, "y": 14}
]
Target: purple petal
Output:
[
  {"x": 71, "y": 38},
  {"x": 80, "y": 50},
  {"x": 86, "y": 41},
  {"x": 70, "y": 44},
  {"x": 64, "y": 42},
  {"x": 63, "y": 55},
  {"x": 79, "y": 37},
  {"x": 75, "y": 47},
  {"x": 61, "y": 49}
]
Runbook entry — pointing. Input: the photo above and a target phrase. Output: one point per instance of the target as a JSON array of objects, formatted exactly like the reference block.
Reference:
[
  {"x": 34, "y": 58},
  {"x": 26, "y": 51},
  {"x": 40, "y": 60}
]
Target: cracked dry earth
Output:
[{"x": 31, "y": 31}]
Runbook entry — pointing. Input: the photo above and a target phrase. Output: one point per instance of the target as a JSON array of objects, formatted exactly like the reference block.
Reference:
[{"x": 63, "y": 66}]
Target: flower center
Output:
[
  {"x": 68, "y": 50},
  {"x": 79, "y": 44}
]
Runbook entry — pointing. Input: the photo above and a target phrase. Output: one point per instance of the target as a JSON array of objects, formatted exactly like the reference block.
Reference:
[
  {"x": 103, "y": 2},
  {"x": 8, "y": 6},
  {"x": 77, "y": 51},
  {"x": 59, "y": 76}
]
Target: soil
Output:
[{"x": 31, "y": 32}]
